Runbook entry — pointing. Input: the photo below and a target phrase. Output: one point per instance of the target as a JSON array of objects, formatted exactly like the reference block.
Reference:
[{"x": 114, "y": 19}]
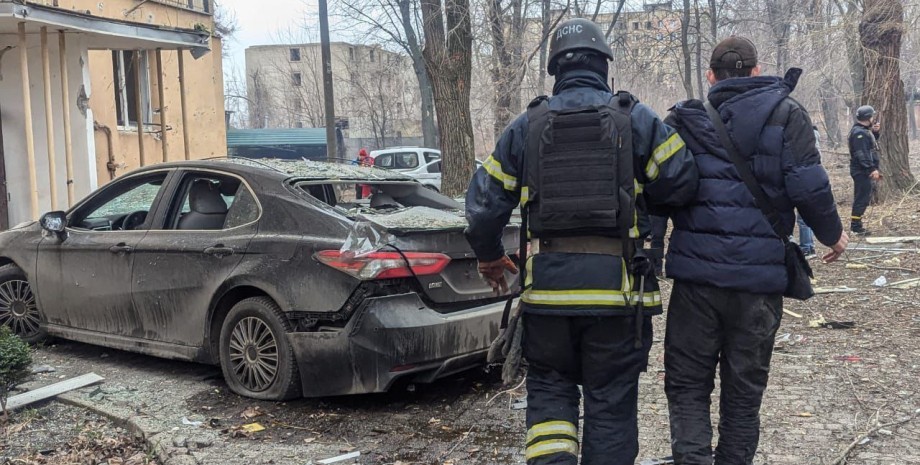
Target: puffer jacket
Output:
[{"x": 723, "y": 239}]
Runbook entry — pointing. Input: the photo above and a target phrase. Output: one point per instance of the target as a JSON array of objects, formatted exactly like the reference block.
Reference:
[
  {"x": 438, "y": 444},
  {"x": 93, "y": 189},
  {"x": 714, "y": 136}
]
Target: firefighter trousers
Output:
[
  {"x": 598, "y": 353},
  {"x": 707, "y": 326}
]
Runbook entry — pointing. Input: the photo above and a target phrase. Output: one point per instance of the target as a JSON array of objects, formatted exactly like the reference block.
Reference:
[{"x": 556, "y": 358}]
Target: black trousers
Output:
[
  {"x": 862, "y": 194},
  {"x": 706, "y": 327},
  {"x": 598, "y": 353}
]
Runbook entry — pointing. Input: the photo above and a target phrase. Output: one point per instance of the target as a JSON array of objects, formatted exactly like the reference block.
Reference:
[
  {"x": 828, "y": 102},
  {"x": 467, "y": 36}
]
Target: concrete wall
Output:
[
  {"x": 12, "y": 117},
  {"x": 160, "y": 12},
  {"x": 204, "y": 99}
]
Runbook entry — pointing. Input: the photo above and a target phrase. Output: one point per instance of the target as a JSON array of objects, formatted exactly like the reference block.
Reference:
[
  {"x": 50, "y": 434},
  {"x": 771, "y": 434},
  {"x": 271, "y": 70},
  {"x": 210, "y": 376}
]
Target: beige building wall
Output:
[{"x": 204, "y": 89}]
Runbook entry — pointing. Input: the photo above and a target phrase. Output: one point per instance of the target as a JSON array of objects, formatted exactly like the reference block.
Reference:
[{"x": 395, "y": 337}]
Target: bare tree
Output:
[
  {"x": 448, "y": 60},
  {"x": 397, "y": 22},
  {"x": 880, "y": 31}
]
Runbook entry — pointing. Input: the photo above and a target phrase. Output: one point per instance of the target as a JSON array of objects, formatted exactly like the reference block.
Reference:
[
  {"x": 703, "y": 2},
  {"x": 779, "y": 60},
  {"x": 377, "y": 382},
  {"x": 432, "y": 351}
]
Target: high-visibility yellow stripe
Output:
[
  {"x": 640, "y": 188},
  {"x": 528, "y": 269},
  {"x": 661, "y": 154},
  {"x": 585, "y": 297},
  {"x": 634, "y": 231},
  {"x": 552, "y": 446},
  {"x": 525, "y": 195},
  {"x": 857, "y": 218},
  {"x": 494, "y": 168},
  {"x": 550, "y": 428}
]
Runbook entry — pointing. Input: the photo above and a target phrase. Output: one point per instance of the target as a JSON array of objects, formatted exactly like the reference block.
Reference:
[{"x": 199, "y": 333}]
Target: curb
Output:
[{"x": 160, "y": 442}]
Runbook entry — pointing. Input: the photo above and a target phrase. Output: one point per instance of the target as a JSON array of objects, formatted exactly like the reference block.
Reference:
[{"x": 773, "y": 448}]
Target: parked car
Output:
[
  {"x": 424, "y": 165},
  {"x": 270, "y": 269}
]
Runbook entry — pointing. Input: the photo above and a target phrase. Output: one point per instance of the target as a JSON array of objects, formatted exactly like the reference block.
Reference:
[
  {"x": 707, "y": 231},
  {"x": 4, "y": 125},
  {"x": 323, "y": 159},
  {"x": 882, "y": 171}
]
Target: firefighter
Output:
[
  {"x": 579, "y": 163},
  {"x": 864, "y": 164}
]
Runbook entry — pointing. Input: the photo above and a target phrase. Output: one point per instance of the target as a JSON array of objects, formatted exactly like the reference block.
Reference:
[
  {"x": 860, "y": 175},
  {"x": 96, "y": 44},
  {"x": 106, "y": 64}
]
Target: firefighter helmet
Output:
[{"x": 573, "y": 35}]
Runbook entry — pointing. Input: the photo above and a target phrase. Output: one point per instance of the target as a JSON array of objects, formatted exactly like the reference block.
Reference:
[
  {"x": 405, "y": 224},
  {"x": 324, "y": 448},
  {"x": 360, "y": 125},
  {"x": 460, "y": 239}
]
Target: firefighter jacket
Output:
[
  {"x": 864, "y": 156},
  {"x": 569, "y": 283}
]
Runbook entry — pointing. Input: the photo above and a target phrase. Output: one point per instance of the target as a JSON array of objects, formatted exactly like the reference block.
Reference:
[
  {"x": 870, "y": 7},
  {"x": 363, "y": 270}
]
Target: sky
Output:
[{"x": 262, "y": 22}]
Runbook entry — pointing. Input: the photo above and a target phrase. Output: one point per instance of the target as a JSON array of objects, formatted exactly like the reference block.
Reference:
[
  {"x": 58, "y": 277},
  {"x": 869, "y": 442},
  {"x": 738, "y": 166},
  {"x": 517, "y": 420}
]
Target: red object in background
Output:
[{"x": 364, "y": 159}]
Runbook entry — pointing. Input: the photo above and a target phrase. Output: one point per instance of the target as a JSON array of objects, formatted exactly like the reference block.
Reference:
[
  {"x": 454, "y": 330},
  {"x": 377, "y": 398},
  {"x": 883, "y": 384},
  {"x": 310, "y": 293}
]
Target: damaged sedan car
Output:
[{"x": 271, "y": 269}]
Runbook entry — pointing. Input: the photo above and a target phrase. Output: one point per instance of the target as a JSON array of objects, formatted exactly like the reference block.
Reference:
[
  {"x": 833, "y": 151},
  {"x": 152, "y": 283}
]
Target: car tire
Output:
[
  {"x": 18, "y": 307},
  {"x": 255, "y": 356}
]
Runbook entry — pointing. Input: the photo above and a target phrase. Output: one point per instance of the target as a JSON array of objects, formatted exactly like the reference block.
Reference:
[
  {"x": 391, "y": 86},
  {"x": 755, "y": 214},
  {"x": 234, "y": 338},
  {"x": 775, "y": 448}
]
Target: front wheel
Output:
[
  {"x": 18, "y": 309},
  {"x": 255, "y": 356}
]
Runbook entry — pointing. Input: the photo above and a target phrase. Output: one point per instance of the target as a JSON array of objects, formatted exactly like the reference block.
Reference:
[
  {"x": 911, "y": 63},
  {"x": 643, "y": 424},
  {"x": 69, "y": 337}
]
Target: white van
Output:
[{"x": 420, "y": 163}]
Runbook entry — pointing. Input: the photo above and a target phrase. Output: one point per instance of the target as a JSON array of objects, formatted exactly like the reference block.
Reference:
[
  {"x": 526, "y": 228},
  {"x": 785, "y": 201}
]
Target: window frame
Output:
[
  {"x": 180, "y": 193},
  {"x": 106, "y": 194},
  {"x": 122, "y": 86}
]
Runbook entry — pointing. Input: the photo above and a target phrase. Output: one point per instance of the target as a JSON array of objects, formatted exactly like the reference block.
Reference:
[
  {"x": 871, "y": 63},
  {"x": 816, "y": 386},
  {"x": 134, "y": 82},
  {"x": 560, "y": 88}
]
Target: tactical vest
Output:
[{"x": 578, "y": 169}]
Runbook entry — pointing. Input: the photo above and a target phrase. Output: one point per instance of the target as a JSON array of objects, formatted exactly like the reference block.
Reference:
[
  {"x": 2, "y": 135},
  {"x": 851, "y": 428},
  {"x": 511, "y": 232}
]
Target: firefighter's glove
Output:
[{"x": 494, "y": 273}]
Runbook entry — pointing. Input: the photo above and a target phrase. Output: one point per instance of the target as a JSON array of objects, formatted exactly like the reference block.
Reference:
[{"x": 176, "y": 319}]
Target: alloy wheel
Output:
[
  {"x": 254, "y": 354},
  {"x": 18, "y": 309}
]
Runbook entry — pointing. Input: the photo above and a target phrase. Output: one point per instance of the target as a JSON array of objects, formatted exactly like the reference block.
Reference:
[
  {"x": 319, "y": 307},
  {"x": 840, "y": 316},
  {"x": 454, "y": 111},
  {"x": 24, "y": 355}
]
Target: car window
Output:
[
  {"x": 112, "y": 206},
  {"x": 384, "y": 161},
  {"x": 432, "y": 156},
  {"x": 407, "y": 160},
  {"x": 212, "y": 202},
  {"x": 435, "y": 167}
]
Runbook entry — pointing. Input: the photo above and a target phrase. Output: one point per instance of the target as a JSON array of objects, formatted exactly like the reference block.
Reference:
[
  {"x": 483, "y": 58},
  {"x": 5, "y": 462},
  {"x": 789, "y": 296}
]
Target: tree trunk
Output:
[
  {"x": 448, "y": 60},
  {"x": 829, "y": 108},
  {"x": 880, "y": 33},
  {"x": 713, "y": 22},
  {"x": 544, "y": 30},
  {"x": 506, "y": 59},
  {"x": 855, "y": 58},
  {"x": 685, "y": 50},
  {"x": 699, "y": 51},
  {"x": 429, "y": 128}
]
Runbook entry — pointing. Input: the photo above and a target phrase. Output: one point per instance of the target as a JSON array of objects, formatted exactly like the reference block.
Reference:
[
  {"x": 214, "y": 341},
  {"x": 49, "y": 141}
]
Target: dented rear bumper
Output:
[{"x": 390, "y": 338}]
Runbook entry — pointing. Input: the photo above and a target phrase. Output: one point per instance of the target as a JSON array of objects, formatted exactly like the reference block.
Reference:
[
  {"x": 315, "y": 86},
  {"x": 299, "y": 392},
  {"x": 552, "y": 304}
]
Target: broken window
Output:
[
  {"x": 297, "y": 79},
  {"x": 373, "y": 55},
  {"x": 125, "y": 66},
  {"x": 648, "y": 24},
  {"x": 636, "y": 25},
  {"x": 295, "y": 54}
]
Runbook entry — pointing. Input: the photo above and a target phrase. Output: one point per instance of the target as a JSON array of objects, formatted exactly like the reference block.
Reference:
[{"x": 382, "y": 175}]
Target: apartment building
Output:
[{"x": 375, "y": 91}]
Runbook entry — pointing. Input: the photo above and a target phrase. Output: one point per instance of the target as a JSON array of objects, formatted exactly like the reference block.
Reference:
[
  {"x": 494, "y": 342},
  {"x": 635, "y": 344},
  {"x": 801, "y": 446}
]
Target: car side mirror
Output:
[{"x": 54, "y": 222}]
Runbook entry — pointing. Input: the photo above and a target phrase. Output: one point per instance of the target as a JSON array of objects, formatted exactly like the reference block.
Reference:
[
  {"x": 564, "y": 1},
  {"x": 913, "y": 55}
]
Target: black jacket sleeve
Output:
[
  {"x": 665, "y": 168},
  {"x": 494, "y": 192},
  {"x": 806, "y": 181}
]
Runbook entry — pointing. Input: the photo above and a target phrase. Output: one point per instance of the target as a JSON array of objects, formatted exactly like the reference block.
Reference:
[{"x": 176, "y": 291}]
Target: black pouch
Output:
[{"x": 799, "y": 272}]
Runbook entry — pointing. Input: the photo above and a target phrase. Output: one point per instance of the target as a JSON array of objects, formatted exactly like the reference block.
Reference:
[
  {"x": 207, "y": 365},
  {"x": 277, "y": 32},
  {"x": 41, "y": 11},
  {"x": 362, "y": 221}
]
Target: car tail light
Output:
[{"x": 384, "y": 265}]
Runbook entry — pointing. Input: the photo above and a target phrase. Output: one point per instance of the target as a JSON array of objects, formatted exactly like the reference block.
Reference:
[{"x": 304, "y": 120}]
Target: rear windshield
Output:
[{"x": 351, "y": 199}]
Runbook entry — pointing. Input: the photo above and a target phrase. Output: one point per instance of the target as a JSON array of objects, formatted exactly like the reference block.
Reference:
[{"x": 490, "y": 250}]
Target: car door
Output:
[
  {"x": 83, "y": 280},
  {"x": 206, "y": 229}
]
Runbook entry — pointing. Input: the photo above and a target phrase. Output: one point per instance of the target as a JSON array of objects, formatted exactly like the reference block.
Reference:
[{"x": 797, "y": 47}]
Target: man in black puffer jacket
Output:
[{"x": 726, "y": 260}]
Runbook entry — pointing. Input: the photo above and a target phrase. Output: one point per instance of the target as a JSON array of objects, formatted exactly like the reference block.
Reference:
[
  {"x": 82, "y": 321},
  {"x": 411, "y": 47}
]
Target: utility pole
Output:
[{"x": 327, "y": 79}]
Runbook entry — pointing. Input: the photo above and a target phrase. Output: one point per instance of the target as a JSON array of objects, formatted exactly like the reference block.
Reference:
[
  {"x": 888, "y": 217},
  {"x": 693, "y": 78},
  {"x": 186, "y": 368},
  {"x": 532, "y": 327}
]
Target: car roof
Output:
[
  {"x": 404, "y": 149},
  {"x": 284, "y": 169}
]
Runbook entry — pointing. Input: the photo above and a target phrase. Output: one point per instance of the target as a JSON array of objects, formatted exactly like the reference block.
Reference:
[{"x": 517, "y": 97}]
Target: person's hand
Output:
[
  {"x": 838, "y": 249},
  {"x": 875, "y": 175},
  {"x": 494, "y": 273},
  {"x": 876, "y": 127}
]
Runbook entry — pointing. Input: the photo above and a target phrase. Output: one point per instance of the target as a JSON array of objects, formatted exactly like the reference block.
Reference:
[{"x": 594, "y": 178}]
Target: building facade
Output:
[
  {"x": 375, "y": 92},
  {"x": 71, "y": 96}
]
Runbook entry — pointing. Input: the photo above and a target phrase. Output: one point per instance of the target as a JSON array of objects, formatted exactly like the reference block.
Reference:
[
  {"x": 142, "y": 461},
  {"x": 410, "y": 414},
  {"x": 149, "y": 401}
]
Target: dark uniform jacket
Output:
[
  {"x": 579, "y": 284},
  {"x": 864, "y": 156},
  {"x": 723, "y": 239}
]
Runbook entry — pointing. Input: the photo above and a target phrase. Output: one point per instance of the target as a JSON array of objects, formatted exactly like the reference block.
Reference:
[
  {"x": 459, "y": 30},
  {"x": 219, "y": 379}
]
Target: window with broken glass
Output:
[{"x": 125, "y": 66}]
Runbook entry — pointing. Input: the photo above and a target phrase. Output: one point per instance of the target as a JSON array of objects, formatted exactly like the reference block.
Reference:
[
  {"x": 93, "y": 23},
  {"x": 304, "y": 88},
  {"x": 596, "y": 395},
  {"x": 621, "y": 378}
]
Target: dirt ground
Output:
[{"x": 829, "y": 388}]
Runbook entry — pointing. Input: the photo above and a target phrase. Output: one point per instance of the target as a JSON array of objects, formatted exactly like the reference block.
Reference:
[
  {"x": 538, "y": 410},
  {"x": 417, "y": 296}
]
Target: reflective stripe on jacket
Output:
[{"x": 579, "y": 284}]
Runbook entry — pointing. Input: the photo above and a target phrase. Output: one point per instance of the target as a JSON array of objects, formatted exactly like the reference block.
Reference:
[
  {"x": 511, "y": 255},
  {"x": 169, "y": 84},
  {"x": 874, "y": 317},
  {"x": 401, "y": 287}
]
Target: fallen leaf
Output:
[
  {"x": 253, "y": 428},
  {"x": 252, "y": 412}
]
